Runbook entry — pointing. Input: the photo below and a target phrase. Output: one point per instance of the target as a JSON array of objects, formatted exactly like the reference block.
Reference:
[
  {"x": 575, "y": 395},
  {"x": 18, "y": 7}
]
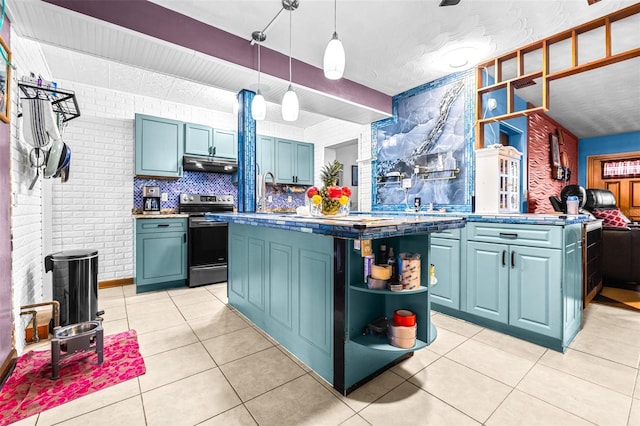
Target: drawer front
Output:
[
  {"x": 449, "y": 233},
  {"x": 544, "y": 236},
  {"x": 144, "y": 226}
]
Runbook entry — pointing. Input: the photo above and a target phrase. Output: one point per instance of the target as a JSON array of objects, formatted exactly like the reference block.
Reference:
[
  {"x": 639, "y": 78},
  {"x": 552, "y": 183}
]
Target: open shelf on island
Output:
[
  {"x": 365, "y": 289},
  {"x": 381, "y": 343}
]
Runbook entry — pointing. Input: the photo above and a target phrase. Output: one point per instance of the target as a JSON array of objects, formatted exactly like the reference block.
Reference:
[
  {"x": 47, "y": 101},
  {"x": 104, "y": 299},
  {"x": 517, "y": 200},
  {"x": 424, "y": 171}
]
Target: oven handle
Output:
[{"x": 206, "y": 224}]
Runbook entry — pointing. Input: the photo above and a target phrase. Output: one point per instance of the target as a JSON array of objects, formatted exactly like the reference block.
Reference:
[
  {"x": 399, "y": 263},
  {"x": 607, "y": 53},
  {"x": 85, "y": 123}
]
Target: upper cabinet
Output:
[
  {"x": 293, "y": 162},
  {"x": 265, "y": 154},
  {"x": 207, "y": 141},
  {"x": 158, "y": 146}
]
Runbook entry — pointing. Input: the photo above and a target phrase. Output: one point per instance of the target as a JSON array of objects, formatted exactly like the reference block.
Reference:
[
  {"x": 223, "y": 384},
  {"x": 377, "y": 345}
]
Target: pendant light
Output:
[
  {"x": 258, "y": 105},
  {"x": 290, "y": 106},
  {"x": 334, "y": 57}
]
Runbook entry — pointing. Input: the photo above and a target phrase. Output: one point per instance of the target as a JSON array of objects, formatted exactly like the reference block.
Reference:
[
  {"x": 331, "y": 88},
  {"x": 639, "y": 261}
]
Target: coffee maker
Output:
[{"x": 150, "y": 200}]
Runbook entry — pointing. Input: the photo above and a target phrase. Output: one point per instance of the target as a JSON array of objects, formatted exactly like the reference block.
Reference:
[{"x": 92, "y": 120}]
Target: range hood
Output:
[{"x": 208, "y": 164}]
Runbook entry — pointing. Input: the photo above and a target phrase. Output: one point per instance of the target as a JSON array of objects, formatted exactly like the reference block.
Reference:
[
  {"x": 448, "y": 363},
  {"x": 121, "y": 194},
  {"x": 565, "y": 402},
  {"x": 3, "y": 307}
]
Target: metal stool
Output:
[{"x": 81, "y": 337}]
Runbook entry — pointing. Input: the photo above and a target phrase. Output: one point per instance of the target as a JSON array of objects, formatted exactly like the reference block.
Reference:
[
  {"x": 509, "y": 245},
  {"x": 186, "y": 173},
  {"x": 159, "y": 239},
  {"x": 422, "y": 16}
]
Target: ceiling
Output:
[{"x": 391, "y": 46}]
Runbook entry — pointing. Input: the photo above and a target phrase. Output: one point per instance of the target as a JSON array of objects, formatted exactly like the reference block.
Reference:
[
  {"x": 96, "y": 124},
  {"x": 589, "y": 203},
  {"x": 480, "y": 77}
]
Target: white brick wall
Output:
[{"x": 331, "y": 132}]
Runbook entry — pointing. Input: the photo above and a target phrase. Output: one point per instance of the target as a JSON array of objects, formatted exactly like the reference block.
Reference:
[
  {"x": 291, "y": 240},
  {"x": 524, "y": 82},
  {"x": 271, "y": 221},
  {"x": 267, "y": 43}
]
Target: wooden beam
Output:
[
  {"x": 514, "y": 114},
  {"x": 629, "y": 54}
]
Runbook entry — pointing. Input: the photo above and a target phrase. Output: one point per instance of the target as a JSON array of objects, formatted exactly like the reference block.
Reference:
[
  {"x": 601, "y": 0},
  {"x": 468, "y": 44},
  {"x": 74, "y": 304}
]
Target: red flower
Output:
[
  {"x": 346, "y": 191},
  {"x": 334, "y": 192}
]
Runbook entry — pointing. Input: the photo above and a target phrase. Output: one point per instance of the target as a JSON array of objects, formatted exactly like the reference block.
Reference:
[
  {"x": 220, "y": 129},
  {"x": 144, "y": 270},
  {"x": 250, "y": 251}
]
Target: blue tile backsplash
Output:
[{"x": 189, "y": 183}]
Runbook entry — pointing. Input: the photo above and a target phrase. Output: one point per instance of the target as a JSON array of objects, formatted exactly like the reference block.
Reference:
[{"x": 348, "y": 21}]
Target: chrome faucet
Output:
[{"x": 263, "y": 203}]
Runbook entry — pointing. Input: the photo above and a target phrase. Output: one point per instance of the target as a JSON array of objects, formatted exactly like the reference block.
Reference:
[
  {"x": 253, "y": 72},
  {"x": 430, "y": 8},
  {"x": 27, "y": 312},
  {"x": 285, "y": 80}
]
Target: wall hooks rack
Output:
[{"x": 63, "y": 102}]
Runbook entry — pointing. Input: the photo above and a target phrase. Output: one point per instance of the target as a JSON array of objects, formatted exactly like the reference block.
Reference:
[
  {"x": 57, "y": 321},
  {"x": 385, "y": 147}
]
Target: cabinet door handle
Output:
[
  {"x": 513, "y": 259},
  {"x": 504, "y": 258},
  {"x": 210, "y": 150},
  {"x": 213, "y": 151},
  {"x": 163, "y": 225},
  {"x": 184, "y": 238},
  {"x": 509, "y": 235}
]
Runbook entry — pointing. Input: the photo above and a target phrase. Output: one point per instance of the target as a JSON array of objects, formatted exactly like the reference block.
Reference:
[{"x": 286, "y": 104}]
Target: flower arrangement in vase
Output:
[{"x": 330, "y": 199}]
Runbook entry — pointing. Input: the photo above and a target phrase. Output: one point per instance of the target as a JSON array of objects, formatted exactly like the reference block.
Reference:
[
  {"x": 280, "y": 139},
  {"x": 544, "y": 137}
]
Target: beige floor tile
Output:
[
  {"x": 587, "y": 400},
  {"x": 157, "y": 321},
  {"x": 258, "y": 329},
  {"x": 166, "y": 339},
  {"x": 520, "y": 409},
  {"x": 410, "y": 405},
  {"x": 219, "y": 290},
  {"x": 372, "y": 390},
  {"x": 603, "y": 314},
  {"x": 115, "y": 312},
  {"x": 146, "y": 297},
  {"x": 29, "y": 421},
  {"x": 355, "y": 421},
  {"x": 185, "y": 290},
  {"x": 491, "y": 361},
  {"x": 129, "y": 290},
  {"x": 217, "y": 324},
  {"x": 201, "y": 310},
  {"x": 176, "y": 364},
  {"x": 260, "y": 372},
  {"x": 128, "y": 412},
  {"x": 291, "y": 356},
  {"x": 463, "y": 388},
  {"x": 302, "y": 401},
  {"x": 110, "y": 293},
  {"x": 238, "y": 416},
  {"x": 192, "y": 298},
  {"x": 109, "y": 303},
  {"x": 636, "y": 393},
  {"x": 456, "y": 325},
  {"x": 600, "y": 371},
  {"x": 445, "y": 341},
  {"x": 417, "y": 362},
  {"x": 190, "y": 401},
  {"x": 514, "y": 346},
  {"x": 91, "y": 402},
  {"x": 152, "y": 307},
  {"x": 617, "y": 331},
  {"x": 634, "y": 416},
  {"x": 600, "y": 345},
  {"x": 115, "y": 327},
  {"x": 235, "y": 345}
]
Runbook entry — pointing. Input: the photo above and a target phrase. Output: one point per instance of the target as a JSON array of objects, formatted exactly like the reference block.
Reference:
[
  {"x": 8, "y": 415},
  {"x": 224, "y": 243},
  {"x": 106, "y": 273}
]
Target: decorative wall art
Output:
[{"x": 425, "y": 149}]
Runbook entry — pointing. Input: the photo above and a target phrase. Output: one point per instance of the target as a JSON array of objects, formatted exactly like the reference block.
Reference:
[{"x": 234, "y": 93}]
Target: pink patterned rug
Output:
[{"x": 30, "y": 389}]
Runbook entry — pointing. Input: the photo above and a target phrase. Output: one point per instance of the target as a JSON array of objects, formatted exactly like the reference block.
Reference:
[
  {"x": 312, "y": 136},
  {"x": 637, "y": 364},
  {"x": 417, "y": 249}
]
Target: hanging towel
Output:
[{"x": 38, "y": 122}]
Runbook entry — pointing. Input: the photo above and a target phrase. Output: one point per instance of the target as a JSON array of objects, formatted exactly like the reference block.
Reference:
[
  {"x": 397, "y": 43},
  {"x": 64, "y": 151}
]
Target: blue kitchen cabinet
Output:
[
  {"x": 488, "y": 281},
  {"x": 198, "y": 140},
  {"x": 160, "y": 254},
  {"x": 265, "y": 154},
  {"x": 293, "y": 162},
  {"x": 445, "y": 255},
  {"x": 225, "y": 144},
  {"x": 158, "y": 146},
  {"x": 207, "y": 141}
]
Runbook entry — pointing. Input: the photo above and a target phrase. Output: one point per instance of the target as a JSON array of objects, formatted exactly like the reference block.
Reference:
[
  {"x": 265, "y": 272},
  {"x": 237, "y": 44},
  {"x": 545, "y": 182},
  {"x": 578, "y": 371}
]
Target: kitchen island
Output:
[{"x": 301, "y": 279}]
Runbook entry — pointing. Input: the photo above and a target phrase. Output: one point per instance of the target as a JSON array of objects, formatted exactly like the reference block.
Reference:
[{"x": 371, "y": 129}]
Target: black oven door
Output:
[{"x": 207, "y": 252}]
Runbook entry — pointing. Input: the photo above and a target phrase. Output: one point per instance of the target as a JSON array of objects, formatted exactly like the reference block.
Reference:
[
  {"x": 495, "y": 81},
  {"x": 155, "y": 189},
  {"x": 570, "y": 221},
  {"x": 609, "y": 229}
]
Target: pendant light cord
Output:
[
  {"x": 290, "y": 13},
  {"x": 335, "y": 16},
  {"x": 258, "y": 66}
]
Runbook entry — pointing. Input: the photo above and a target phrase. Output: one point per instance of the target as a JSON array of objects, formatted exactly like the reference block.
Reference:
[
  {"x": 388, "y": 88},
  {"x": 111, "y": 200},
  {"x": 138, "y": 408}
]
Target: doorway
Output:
[{"x": 625, "y": 188}]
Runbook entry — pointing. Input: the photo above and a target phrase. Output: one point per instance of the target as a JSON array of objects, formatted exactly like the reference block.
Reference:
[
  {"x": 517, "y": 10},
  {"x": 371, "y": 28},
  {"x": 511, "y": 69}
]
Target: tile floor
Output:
[{"x": 207, "y": 365}]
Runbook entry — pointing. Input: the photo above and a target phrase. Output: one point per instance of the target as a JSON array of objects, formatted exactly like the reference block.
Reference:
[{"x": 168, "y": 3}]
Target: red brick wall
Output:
[{"x": 541, "y": 184}]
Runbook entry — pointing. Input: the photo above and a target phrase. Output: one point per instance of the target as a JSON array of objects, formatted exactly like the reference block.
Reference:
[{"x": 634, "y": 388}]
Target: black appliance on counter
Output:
[{"x": 207, "y": 253}]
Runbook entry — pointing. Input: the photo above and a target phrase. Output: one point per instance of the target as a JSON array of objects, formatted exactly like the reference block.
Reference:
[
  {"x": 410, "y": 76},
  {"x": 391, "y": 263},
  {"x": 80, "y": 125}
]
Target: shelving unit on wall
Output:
[
  {"x": 63, "y": 102},
  {"x": 538, "y": 52},
  {"x": 430, "y": 174}
]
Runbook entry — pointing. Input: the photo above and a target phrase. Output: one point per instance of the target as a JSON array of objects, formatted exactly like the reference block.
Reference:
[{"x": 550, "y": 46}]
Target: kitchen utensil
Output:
[
  {"x": 38, "y": 122},
  {"x": 404, "y": 317}
]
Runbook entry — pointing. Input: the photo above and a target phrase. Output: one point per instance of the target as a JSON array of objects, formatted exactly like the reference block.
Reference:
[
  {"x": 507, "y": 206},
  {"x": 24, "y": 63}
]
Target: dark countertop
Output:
[{"x": 354, "y": 226}]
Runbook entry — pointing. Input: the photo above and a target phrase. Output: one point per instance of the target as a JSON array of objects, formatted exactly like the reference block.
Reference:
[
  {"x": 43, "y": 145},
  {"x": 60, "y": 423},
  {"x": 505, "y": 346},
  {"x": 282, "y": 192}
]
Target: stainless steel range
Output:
[{"x": 207, "y": 252}]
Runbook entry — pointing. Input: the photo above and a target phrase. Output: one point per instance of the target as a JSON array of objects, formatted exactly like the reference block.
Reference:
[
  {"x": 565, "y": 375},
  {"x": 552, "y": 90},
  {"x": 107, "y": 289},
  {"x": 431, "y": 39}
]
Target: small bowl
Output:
[
  {"x": 395, "y": 287},
  {"x": 381, "y": 272}
]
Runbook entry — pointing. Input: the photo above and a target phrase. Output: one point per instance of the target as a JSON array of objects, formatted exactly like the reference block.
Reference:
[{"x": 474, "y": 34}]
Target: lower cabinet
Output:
[
  {"x": 520, "y": 279},
  {"x": 160, "y": 254}
]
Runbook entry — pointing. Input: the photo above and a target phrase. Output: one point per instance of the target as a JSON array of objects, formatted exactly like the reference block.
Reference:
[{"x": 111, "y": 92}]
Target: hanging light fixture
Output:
[
  {"x": 334, "y": 57},
  {"x": 290, "y": 105},
  {"x": 258, "y": 105}
]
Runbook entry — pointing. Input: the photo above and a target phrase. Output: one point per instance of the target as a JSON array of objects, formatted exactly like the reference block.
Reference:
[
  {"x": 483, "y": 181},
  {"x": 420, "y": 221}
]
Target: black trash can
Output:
[{"x": 75, "y": 284}]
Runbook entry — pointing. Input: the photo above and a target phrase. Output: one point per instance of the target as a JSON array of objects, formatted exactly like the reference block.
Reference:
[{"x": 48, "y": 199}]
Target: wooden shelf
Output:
[{"x": 363, "y": 288}]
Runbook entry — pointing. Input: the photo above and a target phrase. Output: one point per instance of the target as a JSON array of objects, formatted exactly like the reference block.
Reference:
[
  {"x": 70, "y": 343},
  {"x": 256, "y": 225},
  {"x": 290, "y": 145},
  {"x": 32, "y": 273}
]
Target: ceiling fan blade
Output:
[
  {"x": 592, "y": 2},
  {"x": 449, "y": 2}
]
